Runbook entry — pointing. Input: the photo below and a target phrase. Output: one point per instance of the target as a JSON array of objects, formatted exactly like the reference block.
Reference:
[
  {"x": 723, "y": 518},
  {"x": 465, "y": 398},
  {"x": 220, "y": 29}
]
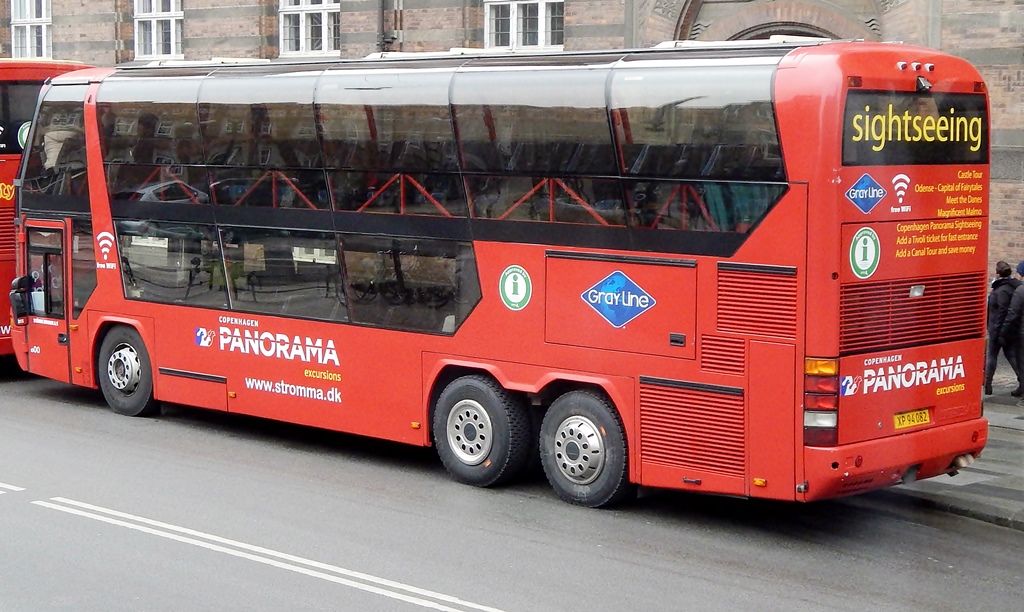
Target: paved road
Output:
[{"x": 197, "y": 510}]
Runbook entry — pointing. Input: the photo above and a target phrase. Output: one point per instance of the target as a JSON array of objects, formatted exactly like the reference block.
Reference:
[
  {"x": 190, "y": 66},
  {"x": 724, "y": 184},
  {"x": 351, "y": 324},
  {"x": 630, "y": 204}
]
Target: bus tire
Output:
[
  {"x": 583, "y": 450},
  {"x": 125, "y": 373},
  {"x": 481, "y": 431}
]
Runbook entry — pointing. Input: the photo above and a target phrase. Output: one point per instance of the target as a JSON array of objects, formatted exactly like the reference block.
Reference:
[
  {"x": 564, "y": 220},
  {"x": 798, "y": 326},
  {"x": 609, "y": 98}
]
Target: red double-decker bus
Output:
[
  {"x": 20, "y": 81},
  {"x": 744, "y": 269}
]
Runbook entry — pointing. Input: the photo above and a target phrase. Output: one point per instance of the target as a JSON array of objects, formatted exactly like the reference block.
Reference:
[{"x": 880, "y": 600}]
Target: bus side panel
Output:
[
  {"x": 772, "y": 420},
  {"x": 19, "y": 345},
  {"x": 336, "y": 377},
  {"x": 184, "y": 372},
  {"x": 180, "y": 387},
  {"x": 8, "y": 169},
  {"x": 692, "y": 436},
  {"x": 622, "y": 304}
]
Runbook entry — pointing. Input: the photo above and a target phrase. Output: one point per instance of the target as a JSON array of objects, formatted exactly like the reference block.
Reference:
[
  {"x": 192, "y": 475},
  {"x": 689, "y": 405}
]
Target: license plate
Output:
[{"x": 911, "y": 419}]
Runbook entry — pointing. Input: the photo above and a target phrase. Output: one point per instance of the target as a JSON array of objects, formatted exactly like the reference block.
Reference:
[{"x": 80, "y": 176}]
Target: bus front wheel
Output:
[
  {"x": 125, "y": 373},
  {"x": 583, "y": 450},
  {"x": 481, "y": 431}
]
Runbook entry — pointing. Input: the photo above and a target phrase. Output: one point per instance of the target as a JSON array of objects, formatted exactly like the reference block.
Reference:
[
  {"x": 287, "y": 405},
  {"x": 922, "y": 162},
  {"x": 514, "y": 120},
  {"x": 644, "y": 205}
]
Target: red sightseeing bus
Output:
[
  {"x": 743, "y": 269},
  {"x": 20, "y": 81}
]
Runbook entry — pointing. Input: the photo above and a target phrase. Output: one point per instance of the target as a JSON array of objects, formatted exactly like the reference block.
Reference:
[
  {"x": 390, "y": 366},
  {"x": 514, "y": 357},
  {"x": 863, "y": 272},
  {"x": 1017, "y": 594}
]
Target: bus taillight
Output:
[{"x": 821, "y": 402}]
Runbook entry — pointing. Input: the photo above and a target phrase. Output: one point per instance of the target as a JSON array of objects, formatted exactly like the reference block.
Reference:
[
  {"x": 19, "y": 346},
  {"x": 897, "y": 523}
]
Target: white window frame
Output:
[
  {"x": 148, "y": 16},
  {"x": 516, "y": 10},
  {"x": 31, "y": 20},
  {"x": 298, "y": 24}
]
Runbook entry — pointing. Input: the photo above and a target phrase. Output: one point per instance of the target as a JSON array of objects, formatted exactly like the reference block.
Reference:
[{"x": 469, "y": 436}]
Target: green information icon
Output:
[
  {"x": 515, "y": 288},
  {"x": 865, "y": 252},
  {"x": 23, "y": 134}
]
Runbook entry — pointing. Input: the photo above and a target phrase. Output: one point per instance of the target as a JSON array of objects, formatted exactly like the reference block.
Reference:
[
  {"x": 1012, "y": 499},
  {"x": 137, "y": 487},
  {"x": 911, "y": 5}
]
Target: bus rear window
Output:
[
  {"x": 882, "y": 128},
  {"x": 17, "y": 103},
  {"x": 703, "y": 123}
]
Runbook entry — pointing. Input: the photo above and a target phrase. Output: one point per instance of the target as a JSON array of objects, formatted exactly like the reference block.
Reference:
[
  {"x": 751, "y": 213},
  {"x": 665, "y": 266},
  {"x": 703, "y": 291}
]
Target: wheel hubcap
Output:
[
  {"x": 579, "y": 451},
  {"x": 124, "y": 369},
  {"x": 470, "y": 434}
]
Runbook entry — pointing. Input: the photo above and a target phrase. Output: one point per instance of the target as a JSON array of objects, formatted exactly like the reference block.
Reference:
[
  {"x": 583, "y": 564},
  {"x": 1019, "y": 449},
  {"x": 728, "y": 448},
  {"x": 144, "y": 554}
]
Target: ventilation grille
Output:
[
  {"x": 722, "y": 355},
  {"x": 882, "y": 315},
  {"x": 7, "y": 239},
  {"x": 692, "y": 429},
  {"x": 759, "y": 303}
]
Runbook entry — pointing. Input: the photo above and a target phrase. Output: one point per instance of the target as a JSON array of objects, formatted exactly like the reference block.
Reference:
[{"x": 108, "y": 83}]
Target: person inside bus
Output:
[
  {"x": 63, "y": 148},
  {"x": 1011, "y": 334},
  {"x": 144, "y": 151}
]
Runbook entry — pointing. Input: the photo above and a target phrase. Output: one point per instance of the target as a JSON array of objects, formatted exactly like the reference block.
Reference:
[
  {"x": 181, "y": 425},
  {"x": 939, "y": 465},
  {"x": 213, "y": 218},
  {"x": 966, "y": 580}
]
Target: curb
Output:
[{"x": 974, "y": 510}]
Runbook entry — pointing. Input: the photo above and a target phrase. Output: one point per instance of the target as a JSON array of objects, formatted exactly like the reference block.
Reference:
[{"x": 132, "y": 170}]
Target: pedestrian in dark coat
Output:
[
  {"x": 999, "y": 299},
  {"x": 1011, "y": 332}
]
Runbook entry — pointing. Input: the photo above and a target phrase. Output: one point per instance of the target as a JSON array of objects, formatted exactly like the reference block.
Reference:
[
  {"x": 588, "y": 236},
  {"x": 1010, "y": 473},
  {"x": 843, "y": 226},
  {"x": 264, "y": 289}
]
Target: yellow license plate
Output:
[{"x": 911, "y": 419}]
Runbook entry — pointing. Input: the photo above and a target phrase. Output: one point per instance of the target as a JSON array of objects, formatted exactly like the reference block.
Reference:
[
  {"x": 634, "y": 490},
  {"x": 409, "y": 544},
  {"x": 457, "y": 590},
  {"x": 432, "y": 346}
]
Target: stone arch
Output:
[
  {"x": 687, "y": 18},
  {"x": 782, "y": 16},
  {"x": 783, "y": 28}
]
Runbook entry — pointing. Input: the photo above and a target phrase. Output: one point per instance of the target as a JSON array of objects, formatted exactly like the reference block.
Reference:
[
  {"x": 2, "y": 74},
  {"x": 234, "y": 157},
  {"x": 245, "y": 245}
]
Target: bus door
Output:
[{"x": 40, "y": 296}]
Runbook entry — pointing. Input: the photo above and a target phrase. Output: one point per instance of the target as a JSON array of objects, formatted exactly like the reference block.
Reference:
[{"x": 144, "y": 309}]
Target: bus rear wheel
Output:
[
  {"x": 583, "y": 450},
  {"x": 481, "y": 431},
  {"x": 125, "y": 373}
]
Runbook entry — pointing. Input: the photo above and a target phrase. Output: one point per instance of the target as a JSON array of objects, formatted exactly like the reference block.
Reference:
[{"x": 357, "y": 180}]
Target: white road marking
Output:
[
  {"x": 371, "y": 584},
  {"x": 10, "y": 487}
]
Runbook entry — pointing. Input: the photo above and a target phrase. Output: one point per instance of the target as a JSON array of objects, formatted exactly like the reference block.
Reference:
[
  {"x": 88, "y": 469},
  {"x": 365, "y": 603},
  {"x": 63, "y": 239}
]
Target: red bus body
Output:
[
  {"x": 20, "y": 83},
  {"x": 838, "y": 349}
]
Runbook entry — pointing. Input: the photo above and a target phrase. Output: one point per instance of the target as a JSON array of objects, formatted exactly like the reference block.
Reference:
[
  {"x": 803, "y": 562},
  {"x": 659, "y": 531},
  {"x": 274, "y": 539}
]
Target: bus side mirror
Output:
[{"x": 20, "y": 289}]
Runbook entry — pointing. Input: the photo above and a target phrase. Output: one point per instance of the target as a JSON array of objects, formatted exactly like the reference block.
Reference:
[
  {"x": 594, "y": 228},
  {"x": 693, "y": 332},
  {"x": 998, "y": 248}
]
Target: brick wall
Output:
[
  {"x": 902, "y": 22},
  {"x": 437, "y": 28},
  {"x": 230, "y": 28},
  {"x": 594, "y": 24},
  {"x": 90, "y": 31},
  {"x": 5, "y": 28},
  {"x": 990, "y": 34},
  {"x": 745, "y": 16}
]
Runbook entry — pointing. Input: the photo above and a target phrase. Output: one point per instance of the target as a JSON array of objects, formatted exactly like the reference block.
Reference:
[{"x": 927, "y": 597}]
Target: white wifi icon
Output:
[
  {"x": 901, "y": 182},
  {"x": 105, "y": 240}
]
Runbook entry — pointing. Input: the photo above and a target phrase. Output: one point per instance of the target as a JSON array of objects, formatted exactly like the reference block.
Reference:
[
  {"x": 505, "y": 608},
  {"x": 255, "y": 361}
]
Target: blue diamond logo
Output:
[
  {"x": 618, "y": 299},
  {"x": 865, "y": 193}
]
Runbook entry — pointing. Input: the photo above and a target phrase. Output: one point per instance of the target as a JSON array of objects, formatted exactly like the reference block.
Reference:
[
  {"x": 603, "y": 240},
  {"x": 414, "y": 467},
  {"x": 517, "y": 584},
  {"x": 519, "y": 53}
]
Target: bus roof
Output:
[
  {"x": 17, "y": 69},
  {"x": 772, "y": 50},
  {"x": 776, "y": 47}
]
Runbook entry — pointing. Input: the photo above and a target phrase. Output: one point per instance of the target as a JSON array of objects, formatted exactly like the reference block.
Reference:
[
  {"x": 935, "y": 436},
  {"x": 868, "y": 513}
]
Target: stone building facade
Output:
[{"x": 989, "y": 33}]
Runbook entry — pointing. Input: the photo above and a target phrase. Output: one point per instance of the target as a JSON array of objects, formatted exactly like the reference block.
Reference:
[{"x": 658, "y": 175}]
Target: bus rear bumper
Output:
[{"x": 876, "y": 464}]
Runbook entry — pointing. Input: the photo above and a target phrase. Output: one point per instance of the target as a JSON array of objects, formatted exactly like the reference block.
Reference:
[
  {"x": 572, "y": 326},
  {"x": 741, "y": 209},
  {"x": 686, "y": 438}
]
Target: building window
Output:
[
  {"x": 158, "y": 29},
  {"x": 310, "y": 27},
  {"x": 30, "y": 25},
  {"x": 521, "y": 25}
]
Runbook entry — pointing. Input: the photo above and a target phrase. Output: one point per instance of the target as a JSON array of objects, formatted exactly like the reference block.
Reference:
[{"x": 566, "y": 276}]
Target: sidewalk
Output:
[{"x": 992, "y": 489}]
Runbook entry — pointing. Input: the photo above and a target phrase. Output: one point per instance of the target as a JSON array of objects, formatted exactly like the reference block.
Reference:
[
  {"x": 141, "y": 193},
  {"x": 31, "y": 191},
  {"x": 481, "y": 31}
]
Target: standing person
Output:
[
  {"x": 1003, "y": 288},
  {"x": 1011, "y": 332}
]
